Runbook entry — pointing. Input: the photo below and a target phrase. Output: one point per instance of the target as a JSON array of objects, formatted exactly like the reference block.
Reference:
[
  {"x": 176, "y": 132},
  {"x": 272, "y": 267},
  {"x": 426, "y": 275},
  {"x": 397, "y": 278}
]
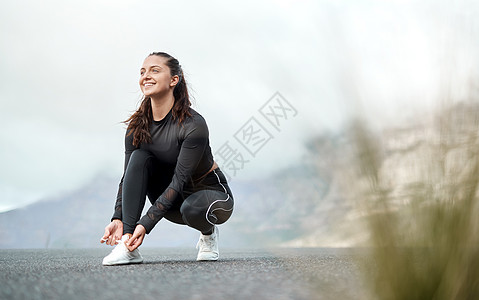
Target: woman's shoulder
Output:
[
  {"x": 194, "y": 123},
  {"x": 195, "y": 118}
]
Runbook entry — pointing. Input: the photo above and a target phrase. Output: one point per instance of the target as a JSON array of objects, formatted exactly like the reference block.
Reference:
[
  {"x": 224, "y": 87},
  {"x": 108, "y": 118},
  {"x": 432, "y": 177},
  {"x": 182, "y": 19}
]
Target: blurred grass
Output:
[{"x": 422, "y": 222}]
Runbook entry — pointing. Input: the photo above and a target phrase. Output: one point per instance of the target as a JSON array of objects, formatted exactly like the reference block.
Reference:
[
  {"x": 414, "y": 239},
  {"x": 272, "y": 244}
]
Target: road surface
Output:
[{"x": 172, "y": 273}]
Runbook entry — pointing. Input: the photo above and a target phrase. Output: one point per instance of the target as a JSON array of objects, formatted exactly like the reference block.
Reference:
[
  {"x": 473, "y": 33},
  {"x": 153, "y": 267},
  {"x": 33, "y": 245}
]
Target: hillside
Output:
[{"x": 267, "y": 212}]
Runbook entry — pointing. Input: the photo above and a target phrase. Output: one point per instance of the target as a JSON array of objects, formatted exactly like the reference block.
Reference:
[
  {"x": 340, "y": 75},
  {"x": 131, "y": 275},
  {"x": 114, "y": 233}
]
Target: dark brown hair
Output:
[{"x": 139, "y": 122}]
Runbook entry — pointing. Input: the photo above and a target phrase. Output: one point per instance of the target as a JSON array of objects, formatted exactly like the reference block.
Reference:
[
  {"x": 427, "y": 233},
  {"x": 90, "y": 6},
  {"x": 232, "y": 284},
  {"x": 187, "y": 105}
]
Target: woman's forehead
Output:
[{"x": 154, "y": 60}]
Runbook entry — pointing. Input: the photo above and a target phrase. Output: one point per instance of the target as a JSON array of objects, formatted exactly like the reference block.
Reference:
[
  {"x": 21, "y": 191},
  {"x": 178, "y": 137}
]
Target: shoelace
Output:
[
  {"x": 117, "y": 247},
  {"x": 205, "y": 243},
  {"x": 200, "y": 243}
]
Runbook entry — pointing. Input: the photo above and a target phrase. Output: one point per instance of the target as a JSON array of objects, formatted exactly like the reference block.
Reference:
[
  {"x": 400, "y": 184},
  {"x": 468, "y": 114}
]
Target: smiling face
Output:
[{"x": 155, "y": 77}]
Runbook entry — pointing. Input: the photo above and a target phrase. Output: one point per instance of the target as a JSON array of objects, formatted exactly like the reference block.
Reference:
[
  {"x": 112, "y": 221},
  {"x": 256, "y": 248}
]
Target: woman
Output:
[{"x": 168, "y": 158}]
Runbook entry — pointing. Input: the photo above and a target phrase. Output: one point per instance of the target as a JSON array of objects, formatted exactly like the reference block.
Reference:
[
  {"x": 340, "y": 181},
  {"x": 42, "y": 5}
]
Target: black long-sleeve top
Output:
[{"x": 183, "y": 150}]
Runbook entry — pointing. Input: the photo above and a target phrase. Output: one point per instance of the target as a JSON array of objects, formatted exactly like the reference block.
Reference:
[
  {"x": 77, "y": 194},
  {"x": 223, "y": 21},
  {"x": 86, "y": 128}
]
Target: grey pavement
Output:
[{"x": 172, "y": 273}]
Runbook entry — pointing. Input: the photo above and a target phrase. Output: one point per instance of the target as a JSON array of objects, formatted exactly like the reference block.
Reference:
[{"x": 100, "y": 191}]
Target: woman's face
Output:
[{"x": 155, "y": 77}]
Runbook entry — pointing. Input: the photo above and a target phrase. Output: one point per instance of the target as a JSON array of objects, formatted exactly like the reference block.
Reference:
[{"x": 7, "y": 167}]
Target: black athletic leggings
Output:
[{"x": 201, "y": 206}]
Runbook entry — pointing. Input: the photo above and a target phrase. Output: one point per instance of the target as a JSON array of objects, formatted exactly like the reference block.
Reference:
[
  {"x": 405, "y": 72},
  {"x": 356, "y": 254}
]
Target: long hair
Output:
[{"x": 139, "y": 122}]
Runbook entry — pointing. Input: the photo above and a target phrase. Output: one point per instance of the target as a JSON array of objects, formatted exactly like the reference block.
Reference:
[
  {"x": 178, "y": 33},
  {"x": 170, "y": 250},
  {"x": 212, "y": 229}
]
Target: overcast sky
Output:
[{"x": 69, "y": 74}]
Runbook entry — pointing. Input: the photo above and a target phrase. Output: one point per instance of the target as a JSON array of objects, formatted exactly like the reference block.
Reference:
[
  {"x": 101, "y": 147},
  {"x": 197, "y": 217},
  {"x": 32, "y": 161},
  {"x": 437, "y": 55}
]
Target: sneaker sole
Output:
[
  {"x": 123, "y": 262},
  {"x": 207, "y": 258}
]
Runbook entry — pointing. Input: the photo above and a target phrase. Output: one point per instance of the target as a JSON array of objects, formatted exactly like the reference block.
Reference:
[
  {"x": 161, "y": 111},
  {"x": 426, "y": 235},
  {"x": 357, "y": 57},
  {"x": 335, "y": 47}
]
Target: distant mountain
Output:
[
  {"x": 74, "y": 219},
  {"x": 428, "y": 160},
  {"x": 267, "y": 212}
]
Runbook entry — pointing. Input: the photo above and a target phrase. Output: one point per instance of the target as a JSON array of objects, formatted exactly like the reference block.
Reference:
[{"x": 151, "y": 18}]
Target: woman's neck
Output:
[{"x": 161, "y": 106}]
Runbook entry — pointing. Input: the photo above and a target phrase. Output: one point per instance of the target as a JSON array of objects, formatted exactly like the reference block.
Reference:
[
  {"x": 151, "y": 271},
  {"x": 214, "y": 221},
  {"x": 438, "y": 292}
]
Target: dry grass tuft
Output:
[{"x": 423, "y": 225}]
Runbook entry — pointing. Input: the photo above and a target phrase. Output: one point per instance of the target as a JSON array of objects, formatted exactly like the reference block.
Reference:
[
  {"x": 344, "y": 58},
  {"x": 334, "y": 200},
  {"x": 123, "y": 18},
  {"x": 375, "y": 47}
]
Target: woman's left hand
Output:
[{"x": 137, "y": 238}]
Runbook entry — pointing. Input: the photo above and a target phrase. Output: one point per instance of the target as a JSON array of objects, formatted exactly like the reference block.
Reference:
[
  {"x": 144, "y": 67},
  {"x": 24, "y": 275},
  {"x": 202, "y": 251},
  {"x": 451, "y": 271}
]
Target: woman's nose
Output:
[{"x": 146, "y": 75}]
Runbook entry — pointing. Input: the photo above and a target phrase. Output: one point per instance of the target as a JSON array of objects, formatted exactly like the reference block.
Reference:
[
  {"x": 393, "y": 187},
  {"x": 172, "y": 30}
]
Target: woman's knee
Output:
[
  {"x": 140, "y": 155},
  {"x": 209, "y": 207},
  {"x": 190, "y": 212},
  {"x": 138, "y": 160}
]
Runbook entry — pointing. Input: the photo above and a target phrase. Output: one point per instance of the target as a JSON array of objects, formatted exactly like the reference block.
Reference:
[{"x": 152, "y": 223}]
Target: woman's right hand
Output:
[{"x": 113, "y": 233}]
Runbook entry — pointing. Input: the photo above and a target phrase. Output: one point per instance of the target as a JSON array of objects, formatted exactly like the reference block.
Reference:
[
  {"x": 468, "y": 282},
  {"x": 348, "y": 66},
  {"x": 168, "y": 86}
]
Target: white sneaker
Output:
[
  {"x": 120, "y": 255},
  {"x": 208, "y": 246}
]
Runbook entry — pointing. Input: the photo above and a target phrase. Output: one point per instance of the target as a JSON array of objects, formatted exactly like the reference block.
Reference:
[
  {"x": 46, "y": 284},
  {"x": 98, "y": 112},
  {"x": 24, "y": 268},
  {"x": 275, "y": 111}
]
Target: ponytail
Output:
[{"x": 182, "y": 99}]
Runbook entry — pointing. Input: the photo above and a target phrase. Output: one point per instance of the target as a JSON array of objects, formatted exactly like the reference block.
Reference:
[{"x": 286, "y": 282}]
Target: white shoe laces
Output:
[
  {"x": 119, "y": 247},
  {"x": 205, "y": 244}
]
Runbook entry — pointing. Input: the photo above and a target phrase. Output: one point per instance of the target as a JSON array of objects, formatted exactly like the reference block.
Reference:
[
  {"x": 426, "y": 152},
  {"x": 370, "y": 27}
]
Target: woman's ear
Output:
[{"x": 174, "y": 80}]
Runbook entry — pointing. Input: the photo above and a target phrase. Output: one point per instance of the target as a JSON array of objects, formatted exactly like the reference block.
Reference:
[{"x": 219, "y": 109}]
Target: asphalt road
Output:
[{"x": 171, "y": 273}]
